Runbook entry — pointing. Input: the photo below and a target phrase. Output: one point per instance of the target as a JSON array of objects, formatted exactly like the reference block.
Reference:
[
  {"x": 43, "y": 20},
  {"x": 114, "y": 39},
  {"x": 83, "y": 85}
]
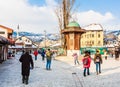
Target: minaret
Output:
[{"x": 18, "y": 31}]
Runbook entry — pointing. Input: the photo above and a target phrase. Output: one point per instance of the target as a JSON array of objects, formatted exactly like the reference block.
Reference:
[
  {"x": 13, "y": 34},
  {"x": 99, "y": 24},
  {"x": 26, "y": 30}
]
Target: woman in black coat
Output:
[{"x": 26, "y": 60}]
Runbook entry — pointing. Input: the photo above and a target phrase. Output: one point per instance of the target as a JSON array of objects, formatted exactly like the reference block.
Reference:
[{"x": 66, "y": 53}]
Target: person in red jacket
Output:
[
  {"x": 86, "y": 63},
  {"x": 35, "y": 53}
]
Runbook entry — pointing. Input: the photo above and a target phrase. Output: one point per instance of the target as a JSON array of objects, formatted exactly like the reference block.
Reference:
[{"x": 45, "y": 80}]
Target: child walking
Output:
[{"x": 75, "y": 55}]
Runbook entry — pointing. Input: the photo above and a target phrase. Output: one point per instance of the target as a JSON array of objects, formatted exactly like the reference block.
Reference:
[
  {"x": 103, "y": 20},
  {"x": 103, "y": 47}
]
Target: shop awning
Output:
[
  {"x": 6, "y": 41},
  {"x": 3, "y": 40}
]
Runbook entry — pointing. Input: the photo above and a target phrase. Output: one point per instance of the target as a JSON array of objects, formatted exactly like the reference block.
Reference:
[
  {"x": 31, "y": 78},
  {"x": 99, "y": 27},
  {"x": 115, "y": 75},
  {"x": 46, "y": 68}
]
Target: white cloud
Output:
[
  {"x": 37, "y": 19},
  {"x": 91, "y": 16},
  {"x": 30, "y": 18},
  {"x": 107, "y": 20}
]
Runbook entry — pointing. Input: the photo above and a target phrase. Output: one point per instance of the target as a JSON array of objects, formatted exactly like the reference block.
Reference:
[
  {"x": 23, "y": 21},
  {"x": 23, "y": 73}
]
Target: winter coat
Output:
[
  {"x": 43, "y": 53},
  {"x": 26, "y": 60},
  {"x": 97, "y": 54},
  {"x": 89, "y": 62},
  {"x": 49, "y": 55},
  {"x": 75, "y": 56},
  {"x": 35, "y": 53}
]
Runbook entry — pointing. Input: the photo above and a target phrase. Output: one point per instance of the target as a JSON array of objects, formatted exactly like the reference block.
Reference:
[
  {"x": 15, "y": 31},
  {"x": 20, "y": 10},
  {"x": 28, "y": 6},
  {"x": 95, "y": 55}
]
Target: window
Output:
[
  {"x": 92, "y": 42},
  {"x": 98, "y": 35},
  {"x": 98, "y": 42},
  {"x": 2, "y": 32},
  {"x": 92, "y": 35}
]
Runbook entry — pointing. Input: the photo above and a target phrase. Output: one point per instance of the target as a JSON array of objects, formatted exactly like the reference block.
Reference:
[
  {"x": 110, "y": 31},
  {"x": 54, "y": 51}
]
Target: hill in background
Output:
[{"x": 37, "y": 37}]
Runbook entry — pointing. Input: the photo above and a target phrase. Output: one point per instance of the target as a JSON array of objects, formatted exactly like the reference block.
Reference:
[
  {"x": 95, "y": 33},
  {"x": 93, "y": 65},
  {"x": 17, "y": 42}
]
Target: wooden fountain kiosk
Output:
[{"x": 72, "y": 36}]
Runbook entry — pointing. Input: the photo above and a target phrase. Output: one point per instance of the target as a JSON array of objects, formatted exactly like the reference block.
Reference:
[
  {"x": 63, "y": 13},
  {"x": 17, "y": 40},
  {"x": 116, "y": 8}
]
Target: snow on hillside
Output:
[{"x": 37, "y": 37}]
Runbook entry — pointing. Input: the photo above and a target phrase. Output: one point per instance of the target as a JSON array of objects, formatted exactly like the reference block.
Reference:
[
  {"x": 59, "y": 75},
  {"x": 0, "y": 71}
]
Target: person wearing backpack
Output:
[
  {"x": 98, "y": 62},
  {"x": 48, "y": 58},
  {"x": 86, "y": 64}
]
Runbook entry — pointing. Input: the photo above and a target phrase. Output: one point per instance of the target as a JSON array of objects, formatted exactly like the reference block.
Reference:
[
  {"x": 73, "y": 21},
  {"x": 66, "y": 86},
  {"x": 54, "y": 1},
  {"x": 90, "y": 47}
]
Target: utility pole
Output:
[{"x": 45, "y": 37}]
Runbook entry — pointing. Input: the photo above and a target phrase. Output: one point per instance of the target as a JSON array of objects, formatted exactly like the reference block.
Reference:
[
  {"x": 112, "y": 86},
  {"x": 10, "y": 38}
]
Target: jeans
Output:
[
  {"x": 48, "y": 65},
  {"x": 35, "y": 57},
  {"x": 43, "y": 57},
  {"x": 98, "y": 67},
  {"x": 86, "y": 69},
  {"x": 76, "y": 60}
]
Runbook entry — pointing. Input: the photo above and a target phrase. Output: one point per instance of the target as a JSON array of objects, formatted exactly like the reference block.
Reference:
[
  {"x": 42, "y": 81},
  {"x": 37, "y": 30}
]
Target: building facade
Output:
[
  {"x": 23, "y": 43},
  {"x": 93, "y": 38},
  {"x": 5, "y": 40}
]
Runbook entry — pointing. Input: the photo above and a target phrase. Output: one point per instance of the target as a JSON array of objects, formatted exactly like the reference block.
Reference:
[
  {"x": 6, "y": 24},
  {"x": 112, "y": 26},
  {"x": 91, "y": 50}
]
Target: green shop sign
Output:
[{"x": 93, "y": 49}]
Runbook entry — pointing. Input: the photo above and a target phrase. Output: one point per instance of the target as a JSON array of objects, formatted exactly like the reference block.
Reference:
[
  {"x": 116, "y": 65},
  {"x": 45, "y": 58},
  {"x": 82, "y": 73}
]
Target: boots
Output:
[
  {"x": 97, "y": 73},
  {"x": 84, "y": 74},
  {"x": 25, "y": 79},
  {"x": 88, "y": 73}
]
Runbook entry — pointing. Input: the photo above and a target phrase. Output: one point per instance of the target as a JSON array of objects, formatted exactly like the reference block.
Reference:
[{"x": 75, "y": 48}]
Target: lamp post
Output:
[{"x": 45, "y": 37}]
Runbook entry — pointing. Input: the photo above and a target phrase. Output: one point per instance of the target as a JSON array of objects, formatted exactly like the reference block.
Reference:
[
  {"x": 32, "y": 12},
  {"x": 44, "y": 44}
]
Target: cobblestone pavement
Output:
[{"x": 63, "y": 74}]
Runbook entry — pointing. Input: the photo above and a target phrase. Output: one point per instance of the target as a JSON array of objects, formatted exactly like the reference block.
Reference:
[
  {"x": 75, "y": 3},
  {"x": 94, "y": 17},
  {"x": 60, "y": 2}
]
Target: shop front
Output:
[
  {"x": 93, "y": 49},
  {"x": 3, "y": 48}
]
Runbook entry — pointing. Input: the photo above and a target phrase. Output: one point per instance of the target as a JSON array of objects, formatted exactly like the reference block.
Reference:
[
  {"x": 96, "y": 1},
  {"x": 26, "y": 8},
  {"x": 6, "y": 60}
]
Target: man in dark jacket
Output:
[{"x": 26, "y": 60}]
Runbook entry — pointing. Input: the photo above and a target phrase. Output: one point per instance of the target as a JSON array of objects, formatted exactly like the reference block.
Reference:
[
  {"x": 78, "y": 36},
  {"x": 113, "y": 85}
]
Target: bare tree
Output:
[{"x": 64, "y": 14}]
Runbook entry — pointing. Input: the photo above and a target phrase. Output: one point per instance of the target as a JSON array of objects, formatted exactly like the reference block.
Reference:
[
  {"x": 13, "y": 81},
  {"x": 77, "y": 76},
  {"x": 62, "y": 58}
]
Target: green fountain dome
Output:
[{"x": 73, "y": 24}]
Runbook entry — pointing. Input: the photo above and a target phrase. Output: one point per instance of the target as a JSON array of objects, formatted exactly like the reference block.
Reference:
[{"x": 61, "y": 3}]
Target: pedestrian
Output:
[
  {"x": 86, "y": 63},
  {"x": 112, "y": 54},
  {"x": 48, "y": 59},
  {"x": 89, "y": 54},
  {"x": 43, "y": 54},
  {"x": 27, "y": 62},
  {"x": 117, "y": 53},
  {"x": 53, "y": 55},
  {"x": 23, "y": 52},
  {"x": 105, "y": 54},
  {"x": 75, "y": 56},
  {"x": 98, "y": 62},
  {"x": 35, "y": 54}
]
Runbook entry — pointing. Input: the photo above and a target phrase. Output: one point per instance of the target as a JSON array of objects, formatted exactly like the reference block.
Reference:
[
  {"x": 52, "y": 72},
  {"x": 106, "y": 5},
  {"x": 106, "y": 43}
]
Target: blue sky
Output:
[
  {"x": 101, "y": 6},
  {"x": 38, "y": 15},
  {"x": 97, "y": 5},
  {"x": 37, "y": 2}
]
